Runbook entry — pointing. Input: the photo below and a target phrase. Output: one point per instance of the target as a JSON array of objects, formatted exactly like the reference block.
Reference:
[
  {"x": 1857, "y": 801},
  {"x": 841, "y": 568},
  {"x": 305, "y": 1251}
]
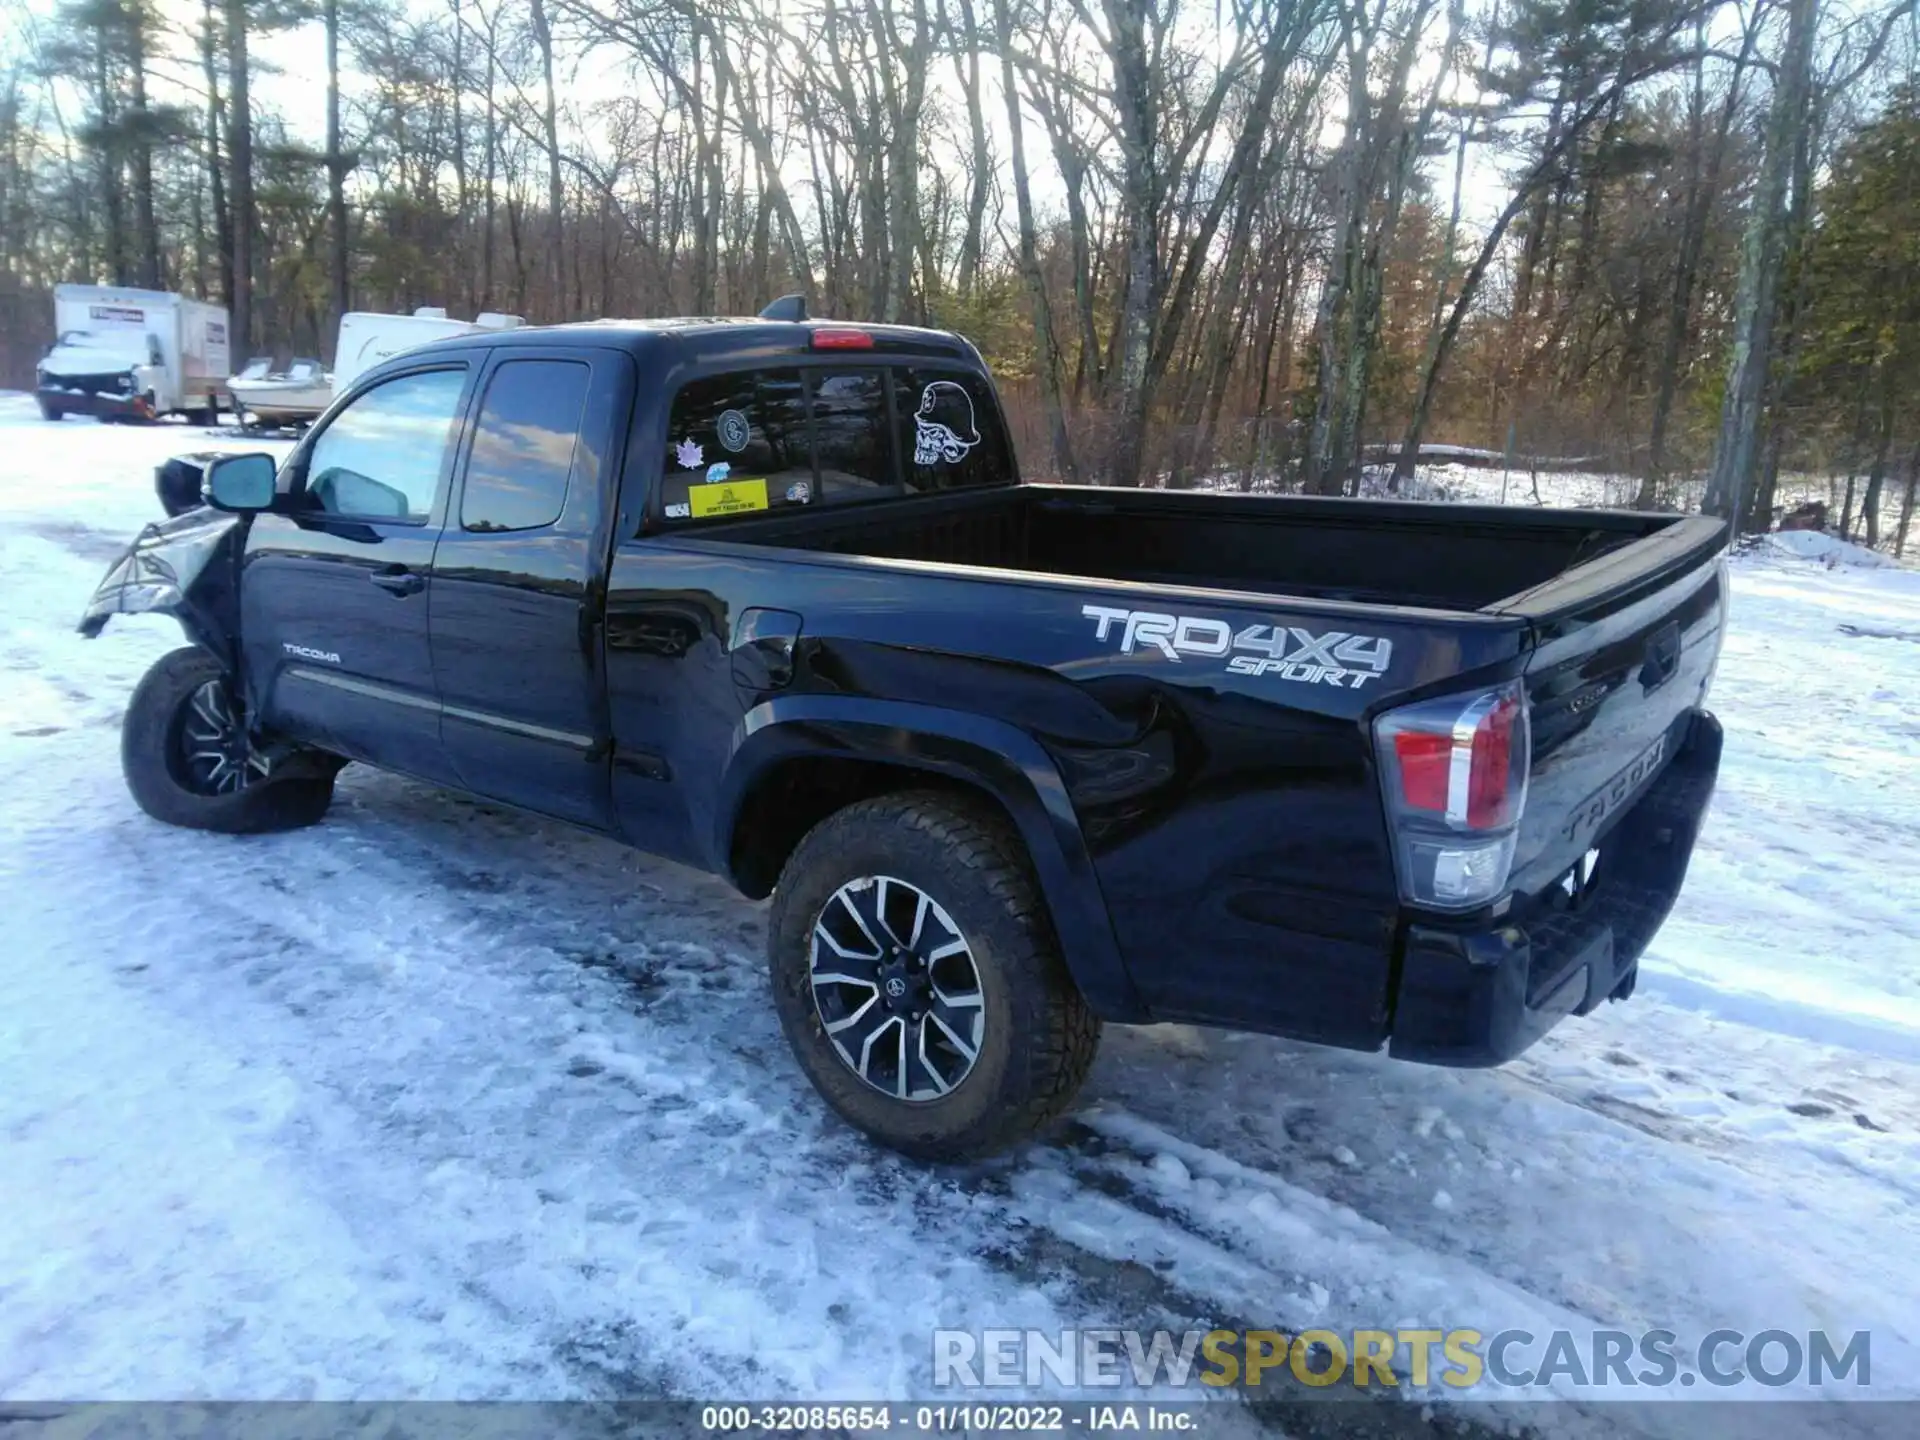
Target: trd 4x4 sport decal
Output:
[{"x": 1285, "y": 651}]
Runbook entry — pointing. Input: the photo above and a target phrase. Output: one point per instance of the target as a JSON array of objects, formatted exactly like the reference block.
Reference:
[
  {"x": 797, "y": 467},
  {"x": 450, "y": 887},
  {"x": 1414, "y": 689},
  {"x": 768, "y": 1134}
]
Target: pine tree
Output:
[{"x": 1863, "y": 281}]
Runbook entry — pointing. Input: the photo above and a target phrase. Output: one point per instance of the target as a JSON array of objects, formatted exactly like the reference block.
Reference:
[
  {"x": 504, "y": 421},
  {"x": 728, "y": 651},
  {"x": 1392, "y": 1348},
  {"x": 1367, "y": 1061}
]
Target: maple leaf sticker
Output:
[{"x": 688, "y": 454}]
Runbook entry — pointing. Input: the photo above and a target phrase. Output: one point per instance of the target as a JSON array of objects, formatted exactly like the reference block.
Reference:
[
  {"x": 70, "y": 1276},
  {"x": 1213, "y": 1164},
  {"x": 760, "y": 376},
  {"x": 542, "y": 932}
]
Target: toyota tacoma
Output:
[{"x": 769, "y": 597}]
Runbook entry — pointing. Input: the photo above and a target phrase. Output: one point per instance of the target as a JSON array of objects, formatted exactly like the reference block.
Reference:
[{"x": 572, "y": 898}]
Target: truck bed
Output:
[
  {"x": 1441, "y": 557},
  {"x": 1611, "y": 619}
]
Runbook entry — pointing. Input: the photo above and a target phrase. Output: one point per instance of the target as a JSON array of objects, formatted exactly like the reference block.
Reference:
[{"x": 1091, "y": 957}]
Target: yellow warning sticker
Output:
[{"x": 729, "y": 497}]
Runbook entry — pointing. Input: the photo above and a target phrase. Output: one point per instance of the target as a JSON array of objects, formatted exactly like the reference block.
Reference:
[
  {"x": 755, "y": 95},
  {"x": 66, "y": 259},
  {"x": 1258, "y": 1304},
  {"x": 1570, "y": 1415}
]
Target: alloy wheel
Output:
[
  {"x": 896, "y": 988},
  {"x": 215, "y": 754}
]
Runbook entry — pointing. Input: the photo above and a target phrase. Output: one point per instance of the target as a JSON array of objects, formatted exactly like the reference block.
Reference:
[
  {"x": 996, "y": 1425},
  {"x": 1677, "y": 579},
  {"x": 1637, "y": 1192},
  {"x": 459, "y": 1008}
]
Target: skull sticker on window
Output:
[{"x": 943, "y": 425}]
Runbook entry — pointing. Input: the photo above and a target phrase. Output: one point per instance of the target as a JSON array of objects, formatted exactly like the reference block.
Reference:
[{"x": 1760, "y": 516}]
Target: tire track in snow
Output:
[
  {"x": 451, "y": 995},
  {"x": 477, "y": 1098}
]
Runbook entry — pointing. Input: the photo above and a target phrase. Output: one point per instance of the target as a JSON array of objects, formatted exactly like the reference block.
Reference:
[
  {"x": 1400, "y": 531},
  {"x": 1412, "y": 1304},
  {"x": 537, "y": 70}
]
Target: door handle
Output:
[
  {"x": 1662, "y": 657},
  {"x": 398, "y": 580}
]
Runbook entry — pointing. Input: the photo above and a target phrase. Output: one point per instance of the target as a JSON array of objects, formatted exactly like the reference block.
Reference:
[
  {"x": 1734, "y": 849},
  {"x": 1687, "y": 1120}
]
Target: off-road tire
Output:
[
  {"x": 147, "y": 758},
  {"x": 1039, "y": 1038}
]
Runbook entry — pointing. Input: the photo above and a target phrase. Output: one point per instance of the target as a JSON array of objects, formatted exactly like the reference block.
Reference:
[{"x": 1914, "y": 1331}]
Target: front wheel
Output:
[
  {"x": 917, "y": 978},
  {"x": 189, "y": 761},
  {"x": 50, "y": 411}
]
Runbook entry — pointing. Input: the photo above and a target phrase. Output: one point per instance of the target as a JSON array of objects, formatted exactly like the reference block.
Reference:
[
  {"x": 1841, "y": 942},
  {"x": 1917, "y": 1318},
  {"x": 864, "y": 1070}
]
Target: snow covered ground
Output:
[{"x": 436, "y": 1100}]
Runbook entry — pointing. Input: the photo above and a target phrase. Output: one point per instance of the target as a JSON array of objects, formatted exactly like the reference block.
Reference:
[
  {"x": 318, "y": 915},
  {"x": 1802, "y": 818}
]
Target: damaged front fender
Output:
[{"x": 186, "y": 567}]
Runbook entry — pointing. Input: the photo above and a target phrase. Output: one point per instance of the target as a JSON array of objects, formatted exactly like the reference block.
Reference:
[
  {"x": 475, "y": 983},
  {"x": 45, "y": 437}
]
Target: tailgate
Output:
[{"x": 1625, "y": 648}]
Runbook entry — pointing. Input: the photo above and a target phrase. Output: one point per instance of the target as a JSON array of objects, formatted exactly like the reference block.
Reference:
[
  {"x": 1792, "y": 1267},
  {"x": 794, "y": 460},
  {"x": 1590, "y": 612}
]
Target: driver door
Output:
[{"x": 334, "y": 589}]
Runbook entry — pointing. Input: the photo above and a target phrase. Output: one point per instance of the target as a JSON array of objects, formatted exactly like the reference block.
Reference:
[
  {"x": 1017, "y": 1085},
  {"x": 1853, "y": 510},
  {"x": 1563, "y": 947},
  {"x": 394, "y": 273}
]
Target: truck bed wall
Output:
[
  {"x": 1227, "y": 815},
  {"x": 1221, "y": 813},
  {"x": 1453, "y": 557}
]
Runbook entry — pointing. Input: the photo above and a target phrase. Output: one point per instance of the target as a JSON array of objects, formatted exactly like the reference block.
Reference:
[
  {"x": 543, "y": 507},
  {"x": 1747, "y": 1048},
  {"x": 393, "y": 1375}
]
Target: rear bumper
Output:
[
  {"x": 89, "y": 402},
  {"x": 1480, "y": 997}
]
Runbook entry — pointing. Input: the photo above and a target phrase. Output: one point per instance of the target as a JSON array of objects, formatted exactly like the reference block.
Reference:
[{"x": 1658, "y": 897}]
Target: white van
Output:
[{"x": 134, "y": 353}]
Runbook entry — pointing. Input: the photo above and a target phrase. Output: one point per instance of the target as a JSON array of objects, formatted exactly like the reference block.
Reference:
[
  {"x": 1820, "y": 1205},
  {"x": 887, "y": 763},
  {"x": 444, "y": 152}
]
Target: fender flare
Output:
[{"x": 989, "y": 755}]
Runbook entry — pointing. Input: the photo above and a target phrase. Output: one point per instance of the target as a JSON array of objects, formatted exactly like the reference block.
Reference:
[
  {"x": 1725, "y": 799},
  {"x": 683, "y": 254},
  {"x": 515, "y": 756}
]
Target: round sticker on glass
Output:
[{"x": 735, "y": 430}]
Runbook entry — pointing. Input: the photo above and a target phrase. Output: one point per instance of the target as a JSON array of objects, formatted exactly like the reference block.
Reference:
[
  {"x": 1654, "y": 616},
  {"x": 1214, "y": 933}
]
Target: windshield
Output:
[{"x": 118, "y": 343}]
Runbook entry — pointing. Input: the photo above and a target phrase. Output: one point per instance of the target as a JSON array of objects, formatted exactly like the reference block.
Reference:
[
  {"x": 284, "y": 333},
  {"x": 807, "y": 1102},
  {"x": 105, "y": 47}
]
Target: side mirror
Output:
[{"x": 242, "y": 483}]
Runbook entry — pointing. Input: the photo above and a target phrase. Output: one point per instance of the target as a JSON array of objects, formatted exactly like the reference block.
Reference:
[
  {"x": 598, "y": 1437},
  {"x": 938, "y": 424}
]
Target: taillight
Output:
[
  {"x": 1426, "y": 762},
  {"x": 826, "y": 337},
  {"x": 1455, "y": 773}
]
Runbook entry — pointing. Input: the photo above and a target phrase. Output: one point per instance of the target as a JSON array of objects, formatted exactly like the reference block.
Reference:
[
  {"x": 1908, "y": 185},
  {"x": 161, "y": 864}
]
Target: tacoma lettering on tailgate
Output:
[{"x": 1607, "y": 799}]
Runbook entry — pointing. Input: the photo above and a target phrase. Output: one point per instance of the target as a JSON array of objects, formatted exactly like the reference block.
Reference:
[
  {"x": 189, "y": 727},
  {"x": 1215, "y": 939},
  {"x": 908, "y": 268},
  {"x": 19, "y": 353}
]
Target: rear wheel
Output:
[
  {"x": 918, "y": 980},
  {"x": 189, "y": 761}
]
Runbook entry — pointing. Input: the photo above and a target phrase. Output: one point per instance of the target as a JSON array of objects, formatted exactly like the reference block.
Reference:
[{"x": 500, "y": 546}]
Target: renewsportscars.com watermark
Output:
[{"x": 1461, "y": 1359}]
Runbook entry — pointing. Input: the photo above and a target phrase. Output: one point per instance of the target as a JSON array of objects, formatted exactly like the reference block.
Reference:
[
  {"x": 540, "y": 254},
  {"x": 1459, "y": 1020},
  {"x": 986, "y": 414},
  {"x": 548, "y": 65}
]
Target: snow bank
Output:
[{"x": 1830, "y": 550}]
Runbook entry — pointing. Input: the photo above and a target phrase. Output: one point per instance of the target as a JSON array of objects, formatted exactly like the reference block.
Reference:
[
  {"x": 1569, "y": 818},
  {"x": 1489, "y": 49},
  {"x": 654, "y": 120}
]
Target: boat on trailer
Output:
[{"x": 293, "y": 396}]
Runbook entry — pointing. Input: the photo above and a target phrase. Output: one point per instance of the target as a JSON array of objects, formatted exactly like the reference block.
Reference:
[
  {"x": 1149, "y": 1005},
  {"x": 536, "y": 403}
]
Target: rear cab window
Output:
[
  {"x": 750, "y": 441},
  {"x": 852, "y": 450},
  {"x": 950, "y": 432},
  {"x": 737, "y": 443}
]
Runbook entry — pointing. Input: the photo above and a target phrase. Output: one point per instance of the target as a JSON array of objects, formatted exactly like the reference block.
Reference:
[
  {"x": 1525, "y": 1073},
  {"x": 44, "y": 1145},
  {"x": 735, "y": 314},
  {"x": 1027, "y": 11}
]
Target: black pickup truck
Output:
[{"x": 767, "y": 597}]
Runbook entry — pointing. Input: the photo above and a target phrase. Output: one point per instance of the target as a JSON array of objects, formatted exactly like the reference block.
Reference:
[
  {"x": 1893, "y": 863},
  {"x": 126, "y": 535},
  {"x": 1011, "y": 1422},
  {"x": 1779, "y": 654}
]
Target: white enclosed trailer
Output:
[
  {"x": 366, "y": 338},
  {"x": 134, "y": 353}
]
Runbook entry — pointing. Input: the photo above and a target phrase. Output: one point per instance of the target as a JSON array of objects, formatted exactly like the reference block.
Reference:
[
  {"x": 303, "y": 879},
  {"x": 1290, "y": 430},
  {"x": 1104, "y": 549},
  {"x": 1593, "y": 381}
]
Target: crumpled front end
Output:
[
  {"x": 70, "y": 398},
  {"x": 99, "y": 375},
  {"x": 182, "y": 567}
]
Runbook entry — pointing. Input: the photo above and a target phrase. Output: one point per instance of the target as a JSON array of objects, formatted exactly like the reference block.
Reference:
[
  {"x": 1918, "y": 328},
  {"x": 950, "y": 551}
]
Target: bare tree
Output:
[{"x": 240, "y": 182}]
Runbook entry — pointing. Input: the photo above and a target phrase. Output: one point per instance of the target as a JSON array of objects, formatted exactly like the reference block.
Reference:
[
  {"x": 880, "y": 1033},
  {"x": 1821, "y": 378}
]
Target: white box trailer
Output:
[
  {"x": 367, "y": 338},
  {"x": 134, "y": 353}
]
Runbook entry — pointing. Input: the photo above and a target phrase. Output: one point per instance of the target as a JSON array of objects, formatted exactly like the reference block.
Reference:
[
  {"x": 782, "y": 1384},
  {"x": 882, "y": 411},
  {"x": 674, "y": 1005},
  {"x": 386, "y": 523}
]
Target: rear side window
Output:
[
  {"x": 737, "y": 443},
  {"x": 949, "y": 431},
  {"x": 523, "y": 445}
]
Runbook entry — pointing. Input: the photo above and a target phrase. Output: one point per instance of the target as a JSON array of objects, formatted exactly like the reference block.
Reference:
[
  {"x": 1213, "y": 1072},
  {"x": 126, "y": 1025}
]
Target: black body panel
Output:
[
  {"x": 1172, "y": 696},
  {"x": 516, "y": 627},
  {"x": 334, "y": 610}
]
